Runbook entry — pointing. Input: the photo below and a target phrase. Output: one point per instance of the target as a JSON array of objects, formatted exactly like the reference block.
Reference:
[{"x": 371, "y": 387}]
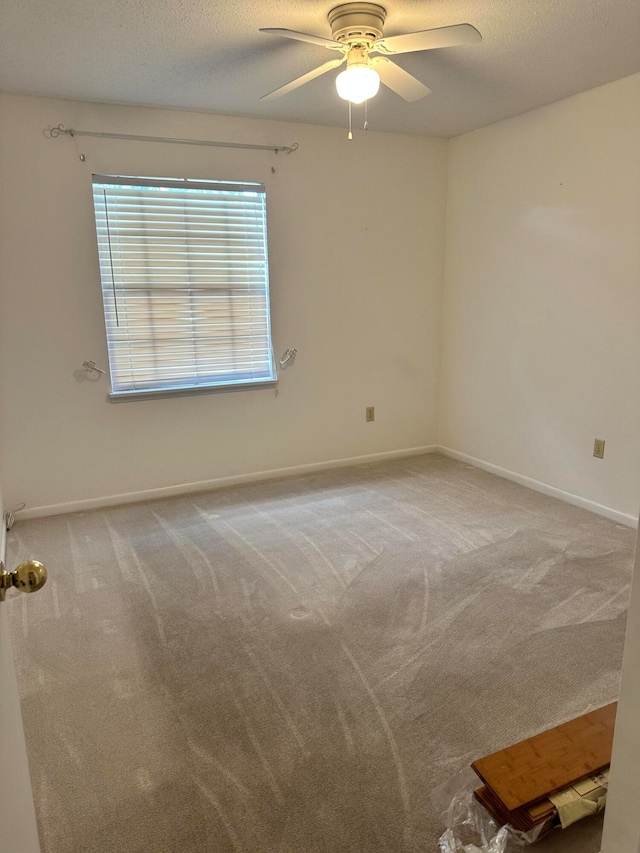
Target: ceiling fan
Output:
[{"x": 356, "y": 30}]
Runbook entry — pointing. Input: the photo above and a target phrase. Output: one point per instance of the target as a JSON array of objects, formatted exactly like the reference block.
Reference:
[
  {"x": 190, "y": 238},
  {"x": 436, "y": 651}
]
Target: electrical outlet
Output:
[
  {"x": 370, "y": 413},
  {"x": 598, "y": 448}
]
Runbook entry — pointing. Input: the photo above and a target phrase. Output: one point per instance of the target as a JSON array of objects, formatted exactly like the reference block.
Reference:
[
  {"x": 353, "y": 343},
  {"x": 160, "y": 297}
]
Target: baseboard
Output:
[
  {"x": 296, "y": 470},
  {"x": 219, "y": 483},
  {"x": 544, "y": 488}
]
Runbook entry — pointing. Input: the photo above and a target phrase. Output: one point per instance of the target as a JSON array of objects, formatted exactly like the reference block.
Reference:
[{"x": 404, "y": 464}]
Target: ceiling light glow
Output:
[{"x": 358, "y": 83}]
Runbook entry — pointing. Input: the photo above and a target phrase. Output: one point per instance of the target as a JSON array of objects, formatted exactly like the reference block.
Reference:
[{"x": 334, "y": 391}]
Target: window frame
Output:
[{"x": 208, "y": 386}]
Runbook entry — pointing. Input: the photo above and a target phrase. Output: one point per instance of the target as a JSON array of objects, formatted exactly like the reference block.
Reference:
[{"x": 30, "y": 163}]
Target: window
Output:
[{"x": 185, "y": 284}]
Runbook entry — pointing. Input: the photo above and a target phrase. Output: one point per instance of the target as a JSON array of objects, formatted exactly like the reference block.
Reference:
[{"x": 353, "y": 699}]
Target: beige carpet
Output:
[{"x": 292, "y": 666}]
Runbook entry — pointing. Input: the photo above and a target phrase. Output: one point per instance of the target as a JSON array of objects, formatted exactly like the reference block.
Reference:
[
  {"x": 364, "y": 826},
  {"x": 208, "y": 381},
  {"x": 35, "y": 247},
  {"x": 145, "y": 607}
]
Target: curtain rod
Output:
[{"x": 54, "y": 133}]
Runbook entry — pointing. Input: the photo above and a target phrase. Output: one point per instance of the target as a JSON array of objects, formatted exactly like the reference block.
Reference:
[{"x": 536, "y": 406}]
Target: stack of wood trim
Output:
[{"x": 519, "y": 780}]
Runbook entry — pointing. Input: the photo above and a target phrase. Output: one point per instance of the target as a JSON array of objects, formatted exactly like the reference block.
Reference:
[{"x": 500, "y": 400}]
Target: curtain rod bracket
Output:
[{"x": 53, "y": 132}]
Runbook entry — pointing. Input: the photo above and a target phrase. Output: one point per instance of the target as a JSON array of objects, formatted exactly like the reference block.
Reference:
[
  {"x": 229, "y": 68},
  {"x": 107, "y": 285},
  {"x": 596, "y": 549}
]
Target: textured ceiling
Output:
[{"x": 210, "y": 56}]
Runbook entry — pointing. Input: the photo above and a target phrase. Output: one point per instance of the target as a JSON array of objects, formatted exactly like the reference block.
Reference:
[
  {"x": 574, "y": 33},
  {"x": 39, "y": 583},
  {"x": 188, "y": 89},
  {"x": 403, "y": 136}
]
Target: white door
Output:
[
  {"x": 621, "y": 822},
  {"x": 18, "y": 829}
]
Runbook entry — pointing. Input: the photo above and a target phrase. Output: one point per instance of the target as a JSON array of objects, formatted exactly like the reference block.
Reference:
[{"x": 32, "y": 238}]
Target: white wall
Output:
[
  {"x": 356, "y": 239},
  {"x": 621, "y": 825},
  {"x": 541, "y": 330},
  {"x": 541, "y": 327}
]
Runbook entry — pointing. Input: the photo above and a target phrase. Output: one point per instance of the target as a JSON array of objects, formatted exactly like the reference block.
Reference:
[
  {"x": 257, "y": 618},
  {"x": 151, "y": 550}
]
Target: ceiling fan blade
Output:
[
  {"x": 399, "y": 80},
  {"x": 454, "y": 36},
  {"x": 306, "y": 78},
  {"x": 292, "y": 34}
]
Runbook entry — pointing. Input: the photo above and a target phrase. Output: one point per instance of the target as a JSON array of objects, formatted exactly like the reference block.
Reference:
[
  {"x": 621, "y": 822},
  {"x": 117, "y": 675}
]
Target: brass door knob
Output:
[{"x": 27, "y": 577}]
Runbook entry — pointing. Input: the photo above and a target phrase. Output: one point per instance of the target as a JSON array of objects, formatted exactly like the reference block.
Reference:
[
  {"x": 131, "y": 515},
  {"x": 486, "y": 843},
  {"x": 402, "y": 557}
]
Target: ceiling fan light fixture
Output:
[{"x": 358, "y": 83}]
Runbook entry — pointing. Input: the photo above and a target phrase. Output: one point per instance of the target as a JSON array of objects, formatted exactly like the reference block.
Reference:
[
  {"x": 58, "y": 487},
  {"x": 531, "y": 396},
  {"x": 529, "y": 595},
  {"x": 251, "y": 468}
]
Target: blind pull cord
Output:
[{"x": 113, "y": 279}]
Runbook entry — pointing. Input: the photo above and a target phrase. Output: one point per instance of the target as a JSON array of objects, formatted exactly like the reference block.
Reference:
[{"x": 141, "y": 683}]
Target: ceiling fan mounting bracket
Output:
[{"x": 357, "y": 23}]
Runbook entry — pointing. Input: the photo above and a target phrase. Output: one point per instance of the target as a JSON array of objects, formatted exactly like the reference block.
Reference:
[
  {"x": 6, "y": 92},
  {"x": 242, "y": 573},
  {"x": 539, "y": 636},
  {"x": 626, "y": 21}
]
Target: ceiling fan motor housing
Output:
[{"x": 357, "y": 23}]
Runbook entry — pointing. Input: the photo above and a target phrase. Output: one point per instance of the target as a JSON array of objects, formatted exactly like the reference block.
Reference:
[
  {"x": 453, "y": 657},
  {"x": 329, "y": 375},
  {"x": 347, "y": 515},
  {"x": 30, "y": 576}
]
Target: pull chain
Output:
[
  {"x": 366, "y": 122},
  {"x": 350, "y": 135}
]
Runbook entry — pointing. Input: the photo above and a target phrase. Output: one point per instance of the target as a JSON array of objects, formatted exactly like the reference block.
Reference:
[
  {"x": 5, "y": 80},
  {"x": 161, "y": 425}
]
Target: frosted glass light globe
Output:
[{"x": 358, "y": 83}]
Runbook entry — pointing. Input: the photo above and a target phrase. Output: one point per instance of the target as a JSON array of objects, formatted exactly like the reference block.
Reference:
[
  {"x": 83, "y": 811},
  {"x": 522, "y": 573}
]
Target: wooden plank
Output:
[
  {"x": 534, "y": 768},
  {"x": 524, "y": 819},
  {"x": 493, "y": 806}
]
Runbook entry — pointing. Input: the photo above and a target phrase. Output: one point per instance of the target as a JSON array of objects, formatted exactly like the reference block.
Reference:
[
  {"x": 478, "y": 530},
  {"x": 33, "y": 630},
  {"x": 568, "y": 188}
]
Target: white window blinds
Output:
[{"x": 185, "y": 283}]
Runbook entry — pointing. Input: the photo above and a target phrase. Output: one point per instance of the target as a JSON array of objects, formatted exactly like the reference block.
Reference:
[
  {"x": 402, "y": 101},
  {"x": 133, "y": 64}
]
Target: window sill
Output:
[{"x": 156, "y": 394}]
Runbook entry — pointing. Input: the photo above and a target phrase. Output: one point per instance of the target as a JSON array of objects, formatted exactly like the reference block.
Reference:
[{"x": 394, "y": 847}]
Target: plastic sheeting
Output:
[{"x": 469, "y": 826}]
